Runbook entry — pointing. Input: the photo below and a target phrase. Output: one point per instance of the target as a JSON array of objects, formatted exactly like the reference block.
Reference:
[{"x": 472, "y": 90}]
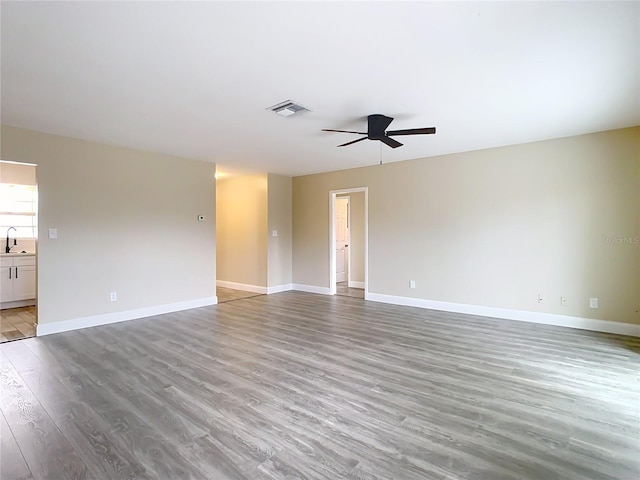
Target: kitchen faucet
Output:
[{"x": 15, "y": 240}]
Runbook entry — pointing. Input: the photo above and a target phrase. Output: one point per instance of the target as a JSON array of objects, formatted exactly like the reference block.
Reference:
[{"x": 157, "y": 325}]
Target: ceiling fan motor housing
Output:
[{"x": 377, "y": 126}]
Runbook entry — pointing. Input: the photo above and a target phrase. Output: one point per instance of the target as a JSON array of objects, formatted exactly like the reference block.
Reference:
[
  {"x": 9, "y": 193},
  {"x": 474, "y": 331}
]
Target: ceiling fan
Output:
[{"x": 377, "y": 130}]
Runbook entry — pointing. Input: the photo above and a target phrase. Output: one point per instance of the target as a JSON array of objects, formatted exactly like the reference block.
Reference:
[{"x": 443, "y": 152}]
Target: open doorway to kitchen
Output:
[
  {"x": 18, "y": 264},
  {"x": 348, "y": 242}
]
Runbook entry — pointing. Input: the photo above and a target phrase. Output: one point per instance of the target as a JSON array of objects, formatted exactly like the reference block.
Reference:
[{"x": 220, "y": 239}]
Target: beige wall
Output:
[
  {"x": 17, "y": 174},
  {"x": 126, "y": 220},
  {"x": 279, "y": 218},
  {"x": 494, "y": 227},
  {"x": 242, "y": 230}
]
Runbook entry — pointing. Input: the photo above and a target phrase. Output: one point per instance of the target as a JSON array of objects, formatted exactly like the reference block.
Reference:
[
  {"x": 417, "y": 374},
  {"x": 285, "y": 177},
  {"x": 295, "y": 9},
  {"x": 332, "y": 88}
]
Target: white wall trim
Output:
[
  {"x": 106, "y": 318},
  {"x": 241, "y": 286},
  {"x": 279, "y": 288},
  {"x": 312, "y": 289},
  {"x": 354, "y": 284},
  {"x": 18, "y": 303},
  {"x": 519, "y": 315}
]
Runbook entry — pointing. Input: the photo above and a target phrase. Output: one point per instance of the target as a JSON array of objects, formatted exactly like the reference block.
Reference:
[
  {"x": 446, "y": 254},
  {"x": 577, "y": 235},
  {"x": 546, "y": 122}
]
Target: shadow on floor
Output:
[{"x": 627, "y": 342}]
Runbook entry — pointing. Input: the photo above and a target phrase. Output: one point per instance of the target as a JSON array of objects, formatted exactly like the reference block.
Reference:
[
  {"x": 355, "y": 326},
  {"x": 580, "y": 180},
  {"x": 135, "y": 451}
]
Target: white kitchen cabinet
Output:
[
  {"x": 24, "y": 286},
  {"x": 17, "y": 280},
  {"x": 6, "y": 284}
]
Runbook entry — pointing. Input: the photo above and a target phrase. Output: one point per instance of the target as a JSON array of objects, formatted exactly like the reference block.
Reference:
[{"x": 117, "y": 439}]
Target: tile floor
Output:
[{"x": 17, "y": 323}]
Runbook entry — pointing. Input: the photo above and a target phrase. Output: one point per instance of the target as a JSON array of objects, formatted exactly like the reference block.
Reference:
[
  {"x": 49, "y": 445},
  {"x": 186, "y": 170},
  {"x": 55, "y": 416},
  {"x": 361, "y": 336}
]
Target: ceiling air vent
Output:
[{"x": 288, "y": 108}]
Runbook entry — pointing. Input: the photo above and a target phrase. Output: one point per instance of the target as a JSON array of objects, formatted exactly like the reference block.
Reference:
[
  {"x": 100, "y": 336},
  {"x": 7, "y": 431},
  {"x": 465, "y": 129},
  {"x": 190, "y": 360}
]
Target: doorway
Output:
[
  {"x": 342, "y": 238},
  {"x": 241, "y": 236},
  {"x": 19, "y": 227},
  {"x": 348, "y": 256}
]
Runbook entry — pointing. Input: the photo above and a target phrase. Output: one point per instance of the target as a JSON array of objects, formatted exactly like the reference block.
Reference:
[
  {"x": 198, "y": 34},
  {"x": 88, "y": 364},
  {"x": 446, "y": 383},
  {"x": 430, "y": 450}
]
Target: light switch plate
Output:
[
  {"x": 53, "y": 233},
  {"x": 274, "y": 233}
]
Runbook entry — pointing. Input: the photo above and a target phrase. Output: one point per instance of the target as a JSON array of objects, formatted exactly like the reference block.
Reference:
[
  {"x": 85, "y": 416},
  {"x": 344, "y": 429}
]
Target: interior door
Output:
[{"x": 342, "y": 238}]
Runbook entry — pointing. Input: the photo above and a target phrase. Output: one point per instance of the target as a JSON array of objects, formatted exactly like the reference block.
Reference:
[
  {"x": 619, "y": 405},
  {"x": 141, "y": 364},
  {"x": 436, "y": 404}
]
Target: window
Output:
[{"x": 18, "y": 208}]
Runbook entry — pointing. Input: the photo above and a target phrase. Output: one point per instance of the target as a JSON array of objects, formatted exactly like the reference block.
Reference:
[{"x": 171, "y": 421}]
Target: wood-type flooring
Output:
[
  {"x": 302, "y": 386},
  {"x": 225, "y": 294}
]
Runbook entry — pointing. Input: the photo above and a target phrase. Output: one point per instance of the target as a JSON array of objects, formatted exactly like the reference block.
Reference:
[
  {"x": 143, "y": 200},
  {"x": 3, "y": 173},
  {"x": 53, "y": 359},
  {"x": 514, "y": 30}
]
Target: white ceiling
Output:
[{"x": 194, "y": 79}]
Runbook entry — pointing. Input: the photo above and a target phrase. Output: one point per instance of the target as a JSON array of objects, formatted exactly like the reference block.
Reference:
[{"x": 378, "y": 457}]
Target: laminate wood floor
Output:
[
  {"x": 230, "y": 294},
  {"x": 343, "y": 290},
  {"x": 17, "y": 323},
  {"x": 302, "y": 386}
]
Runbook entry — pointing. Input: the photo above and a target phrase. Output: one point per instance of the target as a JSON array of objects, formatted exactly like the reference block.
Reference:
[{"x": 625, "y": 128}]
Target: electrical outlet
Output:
[
  {"x": 563, "y": 301},
  {"x": 593, "y": 302},
  {"x": 113, "y": 296},
  {"x": 412, "y": 284},
  {"x": 540, "y": 298}
]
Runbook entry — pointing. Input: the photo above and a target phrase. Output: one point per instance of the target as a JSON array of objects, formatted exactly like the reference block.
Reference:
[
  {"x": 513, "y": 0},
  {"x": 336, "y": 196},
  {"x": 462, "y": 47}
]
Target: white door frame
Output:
[{"x": 332, "y": 237}]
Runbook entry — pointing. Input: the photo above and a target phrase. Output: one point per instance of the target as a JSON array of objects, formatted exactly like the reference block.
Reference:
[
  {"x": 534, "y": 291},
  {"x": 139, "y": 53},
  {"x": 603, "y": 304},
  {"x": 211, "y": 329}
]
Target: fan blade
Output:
[
  {"x": 343, "y": 131},
  {"x": 413, "y": 131},
  {"x": 391, "y": 142},
  {"x": 352, "y": 142},
  {"x": 378, "y": 124}
]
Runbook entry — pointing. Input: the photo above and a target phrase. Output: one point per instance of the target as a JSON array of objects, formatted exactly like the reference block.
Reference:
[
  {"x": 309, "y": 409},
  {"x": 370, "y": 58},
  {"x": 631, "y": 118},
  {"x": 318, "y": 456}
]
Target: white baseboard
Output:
[
  {"x": 311, "y": 289},
  {"x": 241, "y": 286},
  {"x": 354, "y": 284},
  {"x": 519, "y": 315},
  {"x": 255, "y": 288},
  {"x": 279, "y": 288},
  {"x": 17, "y": 303},
  {"x": 104, "y": 319}
]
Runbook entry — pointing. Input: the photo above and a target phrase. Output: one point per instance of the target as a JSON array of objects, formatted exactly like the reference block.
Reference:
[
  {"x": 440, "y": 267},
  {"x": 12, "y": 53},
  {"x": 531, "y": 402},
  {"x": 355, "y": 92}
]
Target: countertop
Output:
[{"x": 16, "y": 254}]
